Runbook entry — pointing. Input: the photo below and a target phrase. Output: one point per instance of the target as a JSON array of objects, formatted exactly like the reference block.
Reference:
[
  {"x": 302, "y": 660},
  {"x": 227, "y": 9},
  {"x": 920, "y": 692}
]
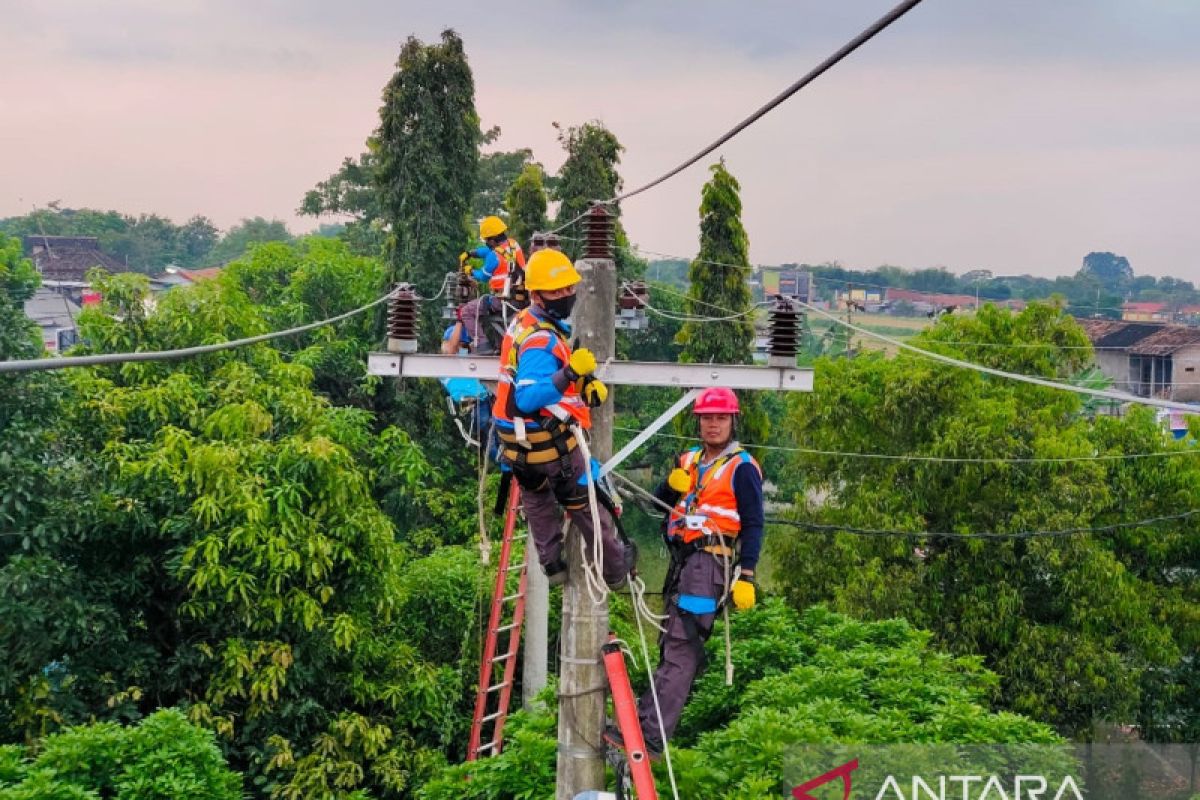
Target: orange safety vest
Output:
[
  {"x": 507, "y": 252},
  {"x": 710, "y": 508},
  {"x": 528, "y": 331}
]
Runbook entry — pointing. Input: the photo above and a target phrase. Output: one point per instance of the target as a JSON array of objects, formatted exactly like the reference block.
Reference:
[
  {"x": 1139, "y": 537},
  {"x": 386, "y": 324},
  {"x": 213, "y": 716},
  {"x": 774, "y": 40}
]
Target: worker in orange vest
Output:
[
  {"x": 503, "y": 259},
  {"x": 714, "y": 533},
  {"x": 543, "y": 404}
]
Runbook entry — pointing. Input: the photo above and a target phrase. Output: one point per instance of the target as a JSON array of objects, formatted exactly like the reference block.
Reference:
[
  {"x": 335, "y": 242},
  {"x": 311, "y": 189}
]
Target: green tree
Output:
[
  {"x": 718, "y": 288},
  {"x": 215, "y": 542},
  {"x": 428, "y": 159},
  {"x": 497, "y": 172},
  {"x": 810, "y": 678},
  {"x": 352, "y": 191},
  {"x": 1111, "y": 270},
  {"x": 590, "y": 174},
  {"x": 161, "y": 758},
  {"x": 525, "y": 202},
  {"x": 195, "y": 240},
  {"x": 1073, "y": 625},
  {"x": 241, "y": 237}
]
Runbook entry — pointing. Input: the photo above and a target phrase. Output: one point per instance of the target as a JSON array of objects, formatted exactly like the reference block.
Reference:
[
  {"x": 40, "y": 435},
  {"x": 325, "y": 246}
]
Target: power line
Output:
[
  {"x": 947, "y": 459},
  {"x": 846, "y": 49},
  {"x": 35, "y": 364},
  {"x": 818, "y": 527},
  {"x": 882, "y": 23},
  {"x": 999, "y": 373},
  {"x": 1037, "y": 534}
]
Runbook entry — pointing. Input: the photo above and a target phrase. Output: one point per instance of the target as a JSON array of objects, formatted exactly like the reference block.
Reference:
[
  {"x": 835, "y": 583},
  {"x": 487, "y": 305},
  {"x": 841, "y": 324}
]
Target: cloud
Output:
[{"x": 1007, "y": 134}]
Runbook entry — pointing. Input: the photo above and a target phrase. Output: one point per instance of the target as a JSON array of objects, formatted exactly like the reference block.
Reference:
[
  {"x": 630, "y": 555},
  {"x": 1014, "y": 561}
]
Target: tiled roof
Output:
[
  {"x": 1143, "y": 307},
  {"x": 1167, "y": 341},
  {"x": 194, "y": 275},
  {"x": 68, "y": 258},
  {"x": 1117, "y": 335}
]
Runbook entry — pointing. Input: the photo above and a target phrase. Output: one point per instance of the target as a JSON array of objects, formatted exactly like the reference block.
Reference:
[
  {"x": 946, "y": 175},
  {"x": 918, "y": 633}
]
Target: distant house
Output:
[
  {"x": 55, "y": 314},
  {"x": 68, "y": 258},
  {"x": 1148, "y": 359},
  {"x": 1144, "y": 312}
]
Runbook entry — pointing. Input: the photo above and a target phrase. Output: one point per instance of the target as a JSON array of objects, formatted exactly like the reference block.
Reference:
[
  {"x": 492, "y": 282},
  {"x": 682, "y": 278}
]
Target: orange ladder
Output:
[{"x": 508, "y": 612}]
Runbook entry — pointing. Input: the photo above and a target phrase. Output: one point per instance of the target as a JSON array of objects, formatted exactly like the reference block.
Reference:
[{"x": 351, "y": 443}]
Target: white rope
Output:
[
  {"x": 593, "y": 572},
  {"x": 662, "y": 727}
]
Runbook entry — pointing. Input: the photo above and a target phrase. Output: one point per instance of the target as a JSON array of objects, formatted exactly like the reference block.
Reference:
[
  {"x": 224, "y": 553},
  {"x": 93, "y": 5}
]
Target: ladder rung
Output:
[
  {"x": 504, "y": 657},
  {"x": 498, "y": 686},
  {"x": 490, "y": 717},
  {"x": 507, "y": 627},
  {"x": 516, "y": 567},
  {"x": 488, "y": 746},
  {"x": 512, "y": 597}
]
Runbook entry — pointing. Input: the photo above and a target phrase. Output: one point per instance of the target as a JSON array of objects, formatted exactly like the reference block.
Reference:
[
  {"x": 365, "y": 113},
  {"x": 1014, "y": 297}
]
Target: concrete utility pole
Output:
[
  {"x": 585, "y": 624},
  {"x": 537, "y": 620}
]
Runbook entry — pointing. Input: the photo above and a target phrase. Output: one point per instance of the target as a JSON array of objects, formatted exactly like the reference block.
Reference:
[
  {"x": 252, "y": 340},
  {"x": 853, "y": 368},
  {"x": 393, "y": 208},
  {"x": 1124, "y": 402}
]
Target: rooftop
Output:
[
  {"x": 1167, "y": 341},
  {"x": 68, "y": 258}
]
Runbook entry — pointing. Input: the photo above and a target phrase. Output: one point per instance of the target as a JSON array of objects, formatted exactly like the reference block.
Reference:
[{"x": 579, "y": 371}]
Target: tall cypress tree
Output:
[
  {"x": 428, "y": 155},
  {"x": 589, "y": 174},
  {"x": 526, "y": 204},
  {"x": 718, "y": 290}
]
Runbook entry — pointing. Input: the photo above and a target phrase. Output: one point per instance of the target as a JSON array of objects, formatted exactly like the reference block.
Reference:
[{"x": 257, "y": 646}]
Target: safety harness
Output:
[{"x": 554, "y": 440}]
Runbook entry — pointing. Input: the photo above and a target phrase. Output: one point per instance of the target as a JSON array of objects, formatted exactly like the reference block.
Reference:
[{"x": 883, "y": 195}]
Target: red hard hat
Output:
[{"x": 717, "y": 400}]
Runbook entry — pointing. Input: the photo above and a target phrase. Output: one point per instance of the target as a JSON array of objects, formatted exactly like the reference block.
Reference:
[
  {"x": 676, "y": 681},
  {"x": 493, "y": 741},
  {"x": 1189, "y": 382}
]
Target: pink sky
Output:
[{"x": 1006, "y": 160}]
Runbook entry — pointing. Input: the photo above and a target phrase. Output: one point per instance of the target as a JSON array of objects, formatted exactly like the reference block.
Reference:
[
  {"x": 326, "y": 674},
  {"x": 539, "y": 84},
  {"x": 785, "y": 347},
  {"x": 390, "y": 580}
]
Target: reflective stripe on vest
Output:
[
  {"x": 712, "y": 503},
  {"x": 507, "y": 252},
  {"x": 529, "y": 331}
]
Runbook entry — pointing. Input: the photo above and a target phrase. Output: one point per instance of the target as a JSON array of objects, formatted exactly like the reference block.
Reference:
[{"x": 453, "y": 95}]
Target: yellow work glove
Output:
[
  {"x": 582, "y": 362},
  {"x": 463, "y": 262},
  {"x": 594, "y": 392},
  {"x": 743, "y": 593},
  {"x": 680, "y": 480}
]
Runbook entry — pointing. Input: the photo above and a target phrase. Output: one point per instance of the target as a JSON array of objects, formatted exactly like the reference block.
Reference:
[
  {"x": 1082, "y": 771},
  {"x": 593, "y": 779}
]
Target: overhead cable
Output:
[
  {"x": 946, "y": 459},
  {"x": 999, "y": 373},
  {"x": 817, "y": 71},
  {"x": 35, "y": 364},
  {"x": 817, "y": 527},
  {"x": 848, "y": 48}
]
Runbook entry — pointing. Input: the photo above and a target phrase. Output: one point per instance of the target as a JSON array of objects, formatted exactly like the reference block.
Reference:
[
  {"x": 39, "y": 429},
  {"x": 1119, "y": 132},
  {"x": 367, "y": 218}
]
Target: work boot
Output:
[
  {"x": 613, "y": 737},
  {"x": 629, "y": 567},
  {"x": 556, "y": 572}
]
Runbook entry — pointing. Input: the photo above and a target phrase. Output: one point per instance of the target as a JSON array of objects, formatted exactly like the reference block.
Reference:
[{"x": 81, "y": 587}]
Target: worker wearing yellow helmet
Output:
[
  {"x": 502, "y": 257},
  {"x": 543, "y": 404}
]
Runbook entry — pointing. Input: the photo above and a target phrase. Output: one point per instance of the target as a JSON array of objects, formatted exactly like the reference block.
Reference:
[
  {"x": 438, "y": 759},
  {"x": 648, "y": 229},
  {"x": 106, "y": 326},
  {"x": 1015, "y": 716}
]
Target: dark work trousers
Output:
[
  {"x": 682, "y": 646},
  {"x": 546, "y": 486}
]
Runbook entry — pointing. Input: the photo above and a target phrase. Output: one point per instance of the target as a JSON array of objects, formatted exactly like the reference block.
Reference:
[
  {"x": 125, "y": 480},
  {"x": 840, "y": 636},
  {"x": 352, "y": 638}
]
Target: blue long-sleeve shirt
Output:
[
  {"x": 748, "y": 492},
  {"x": 491, "y": 260},
  {"x": 540, "y": 380}
]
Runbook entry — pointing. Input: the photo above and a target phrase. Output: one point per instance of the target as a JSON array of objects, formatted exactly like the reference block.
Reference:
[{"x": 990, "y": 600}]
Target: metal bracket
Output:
[{"x": 618, "y": 373}]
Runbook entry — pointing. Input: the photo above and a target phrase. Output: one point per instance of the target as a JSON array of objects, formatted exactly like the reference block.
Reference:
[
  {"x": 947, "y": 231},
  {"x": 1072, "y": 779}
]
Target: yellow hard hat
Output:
[
  {"x": 491, "y": 226},
  {"x": 549, "y": 270}
]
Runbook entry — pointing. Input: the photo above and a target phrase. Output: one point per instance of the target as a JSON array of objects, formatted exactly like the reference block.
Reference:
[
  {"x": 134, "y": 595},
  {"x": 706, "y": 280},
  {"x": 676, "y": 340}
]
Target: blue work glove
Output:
[{"x": 595, "y": 469}]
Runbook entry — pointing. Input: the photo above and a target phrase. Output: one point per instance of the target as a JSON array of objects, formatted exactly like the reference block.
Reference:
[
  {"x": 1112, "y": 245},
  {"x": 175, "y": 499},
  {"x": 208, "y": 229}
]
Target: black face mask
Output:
[{"x": 559, "y": 309}]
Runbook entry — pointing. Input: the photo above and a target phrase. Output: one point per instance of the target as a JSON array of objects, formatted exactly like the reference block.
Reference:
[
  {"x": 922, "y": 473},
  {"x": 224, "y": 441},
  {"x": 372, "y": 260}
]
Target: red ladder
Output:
[
  {"x": 487, "y": 712},
  {"x": 636, "y": 766}
]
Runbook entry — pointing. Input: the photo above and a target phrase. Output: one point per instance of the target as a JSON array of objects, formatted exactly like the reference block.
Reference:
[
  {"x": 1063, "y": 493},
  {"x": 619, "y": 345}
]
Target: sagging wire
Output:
[
  {"x": 943, "y": 459},
  {"x": 63, "y": 362},
  {"x": 999, "y": 373}
]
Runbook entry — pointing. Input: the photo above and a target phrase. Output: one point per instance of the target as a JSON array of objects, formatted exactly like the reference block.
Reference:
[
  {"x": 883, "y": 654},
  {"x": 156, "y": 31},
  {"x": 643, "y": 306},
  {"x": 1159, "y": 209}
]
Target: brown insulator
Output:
[
  {"x": 634, "y": 295},
  {"x": 403, "y": 310},
  {"x": 598, "y": 232},
  {"x": 786, "y": 332}
]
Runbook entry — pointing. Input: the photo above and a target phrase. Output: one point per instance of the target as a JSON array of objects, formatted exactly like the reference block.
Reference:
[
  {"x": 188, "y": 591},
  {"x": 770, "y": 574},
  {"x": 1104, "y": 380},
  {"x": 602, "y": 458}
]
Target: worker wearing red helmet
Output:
[{"x": 714, "y": 532}]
